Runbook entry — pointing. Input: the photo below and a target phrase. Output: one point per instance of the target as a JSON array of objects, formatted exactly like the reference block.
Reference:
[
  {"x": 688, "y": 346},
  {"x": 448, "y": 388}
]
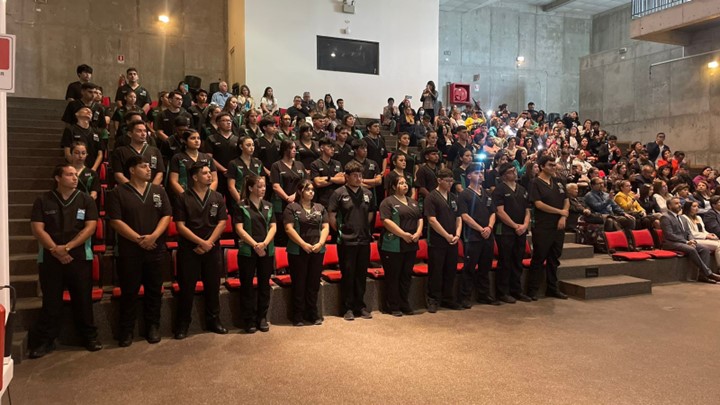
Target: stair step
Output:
[
  {"x": 30, "y": 102},
  {"x": 38, "y": 160},
  {"x": 605, "y": 287},
  {"x": 19, "y": 227},
  {"x": 19, "y": 346},
  {"x": 19, "y": 210},
  {"x": 42, "y": 114},
  {"x": 17, "y": 132},
  {"x": 23, "y": 264},
  {"x": 22, "y": 151},
  {"x": 26, "y": 285},
  {"x": 29, "y": 172},
  {"x": 33, "y": 123},
  {"x": 47, "y": 137},
  {"x": 23, "y": 196},
  {"x": 18, "y": 142},
  {"x": 569, "y": 237},
  {"x": 576, "y": 251},
  {"x": 45, "y": 183},
  {"x": 23, "y": 244}
]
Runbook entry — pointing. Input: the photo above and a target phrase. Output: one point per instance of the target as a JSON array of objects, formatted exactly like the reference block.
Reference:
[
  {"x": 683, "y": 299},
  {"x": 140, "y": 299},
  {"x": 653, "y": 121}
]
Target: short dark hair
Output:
[
  {"x": 612, "y": 138},
  {"x": 60, "y": 169},
  {"x": 474, "y": 167},
  {"x": 339, "y": 100},
  {"x": 130, "y": 69},
  {"x": 544, "y": 160},
  {"x": 88, "y": 86},
  {"x": 444, "y": 173},
  {"x": 326, "y": 141},
  {"x": 264, "y": 123},
  {"x": 131, "y": 162},
  {"x": 174, "y": 93},
  {"x": 133, "y": 124},
  {"x": 353, "y": 167},
  {"x": 371, "y": 123},
  {"x": 181, "y": 121},
  {"x": 714, "y": 199},
  {"x": 317, "y": 117},
  {"x": 359, "y": 143},
  {"x": 285, "y": 146},
  {"x": 225, "y": 114},
  {"x": 83, "y": 69},
  {"x": 197, "y": 167},
  {"x": 391, "y": 99},
  {"x": 303, "y": 128}
]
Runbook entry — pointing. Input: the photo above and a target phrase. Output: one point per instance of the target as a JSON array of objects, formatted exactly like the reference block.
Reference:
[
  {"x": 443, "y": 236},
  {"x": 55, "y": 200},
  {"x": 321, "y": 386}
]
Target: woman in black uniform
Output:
[
  {"x": 255, "y": 225},
  {"x": 307, "y": 150},
  {"x": 306, "y": 224},
  {"x": 88, "y": 179},
  {"x": 285, "y": 175},
  {"x": 242, "y": 166},
  {"x": 399, "y": 163},
  {"x": 403, "y": 224},
  {"x": 179, "y": 178}
]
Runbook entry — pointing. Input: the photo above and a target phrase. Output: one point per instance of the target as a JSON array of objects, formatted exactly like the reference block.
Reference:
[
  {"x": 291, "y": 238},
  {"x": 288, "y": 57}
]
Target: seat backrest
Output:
[
  {"x": 461, "y": 249},
  {"x": 96, "y": 268},
  {"x": 378, "y": 221},
  {"x": 616, "y": 240},
  {"x": 172, "y": 229},
  {"x": 281, "y": 259},
  {"x": 331, "y": 255},
  {"x": 422, "y": 253},
  {"x": 661, "y": 237},
  {"x": 374, "y": 253},
  {"x": 100, "y": 231},
  {"x": 231, "y": 264},
  {"x": 228, "y": 225},
  {"x": 528, "y": 249},
  {"x": 643, "y": 239}
]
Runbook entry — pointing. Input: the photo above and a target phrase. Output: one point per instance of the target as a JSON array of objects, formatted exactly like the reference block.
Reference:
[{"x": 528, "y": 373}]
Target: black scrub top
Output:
[
  {"x": 515, "y": 203},
  {"x": 552, "y": 194},
  {"x": 445, "y": 211},
  {"x": 307, "y": 224},
  {"x": 319, "y": 168},
  {"x": 201, "y": 216},
  {"x": 149, "y": 153},
  {"x": 404, "y": 216},
  {"x": 352, "y": 210},
  {"x": 479, "y": 207}
]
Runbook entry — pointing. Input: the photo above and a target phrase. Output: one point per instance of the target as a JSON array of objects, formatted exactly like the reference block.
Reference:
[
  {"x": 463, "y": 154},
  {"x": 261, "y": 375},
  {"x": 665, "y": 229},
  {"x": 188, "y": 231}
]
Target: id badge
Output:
[{"x": 80, "y": 214}]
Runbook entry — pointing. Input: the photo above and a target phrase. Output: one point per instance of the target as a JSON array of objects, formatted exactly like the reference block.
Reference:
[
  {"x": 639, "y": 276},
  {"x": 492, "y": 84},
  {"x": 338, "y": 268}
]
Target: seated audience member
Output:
[
  {"x": 245, "y": 100},
  {"x": 268, "y": 104},
  {"x": 118, "y": 117},
  {"x": 220, "y": 97},
  {"x": 319, "y": 108},
  {"x": 651, "y": 207},
  {"x": 665, "y": 160},
  {"x": 84, "y": 74},
  {"x": 600, "y": 203},
  {"x": 682, "y": 191},
  {"x": 331, "y": 122},
  {"x": 682, "y": 176},
  {"x": 678, "y": 237},
  {"x": 578, "y": 209},
  {"x": 628, "y": 201},
  {"x": 712, "y": 216},
  {"x": 664, "y": 173},
  {"x": 661, "y": 194},
  {"x": 699, "y": 232},
  {"x": 677, "y": 160},
  {"x": 702, "y": 196},
  {"x": 646, "y": 176},
  {"x": 329, "y": 103},
  {"x": 340, "y": 110},
  {"x": 407, "y": 122},
  {"x": 297, "y": 112}
]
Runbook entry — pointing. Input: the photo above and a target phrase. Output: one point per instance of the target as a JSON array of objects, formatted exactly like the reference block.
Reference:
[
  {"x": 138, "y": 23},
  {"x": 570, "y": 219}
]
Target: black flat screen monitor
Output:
[{"x": 347, "y": 55}]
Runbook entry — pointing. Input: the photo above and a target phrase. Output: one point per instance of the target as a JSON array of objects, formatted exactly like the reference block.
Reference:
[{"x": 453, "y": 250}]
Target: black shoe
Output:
[
  {"x": 41, "y": 351},
  {"x": 533, "y": 297},
  {"x": 452, "y": 305},
  {"x": 396, "y": 313},
  {"x": 318, "y": 321},
  {"x": 153, "y": 334},
  {"x": 215, "y": 326},
  {"x": 556, "y": 294},
  {"x": 466, "y": 304},
  {"x": 488, "y": 301},
  {"x": 407, "y": 311},
  {"x": 181, "y": 333},
  {"x": 298, "y": 323},
  {"x": 125, "y": 341},
  {"x": 349, "y": 316},
  {"x": 250, "y": 329},
  {"x": 522, "y": 297},
  {"x": 432, "y": 308},
  {"x": 93, "y": 345},
  {"x": 508, "y": 299},
  {"x": 263, "y": 325},
  {"x": 365, "y": 314},
  {"x": 705, "y": 279}
]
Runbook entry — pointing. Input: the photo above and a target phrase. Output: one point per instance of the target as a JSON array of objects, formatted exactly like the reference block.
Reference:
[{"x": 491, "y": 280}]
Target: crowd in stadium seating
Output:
[{"x": 250, "y": 192}]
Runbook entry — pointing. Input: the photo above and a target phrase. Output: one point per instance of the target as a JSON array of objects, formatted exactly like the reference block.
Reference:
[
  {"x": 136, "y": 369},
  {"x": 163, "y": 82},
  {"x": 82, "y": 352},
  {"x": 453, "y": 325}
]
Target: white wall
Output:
[{"x": 280, "y": 49}]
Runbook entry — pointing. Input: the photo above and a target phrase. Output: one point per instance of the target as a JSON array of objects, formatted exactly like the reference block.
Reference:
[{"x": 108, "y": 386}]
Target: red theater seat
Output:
[
  {"x": 644, "y": 242},
  {"x": 99, "y": 238},
  {"x": 171, "y": 233},
  {"x": 282, "y": 277},
  {"x": 617, "y": 241},
  {"x": 232, "y": 282},
  {"x": 375, "y": 271},
  {"x": 421, "y": 269},
  {"x": 96, "y": 292}
]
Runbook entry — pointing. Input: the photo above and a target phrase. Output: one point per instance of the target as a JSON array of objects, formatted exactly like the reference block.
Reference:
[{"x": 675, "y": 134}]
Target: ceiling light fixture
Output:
[{"x": 164, "y": 19}]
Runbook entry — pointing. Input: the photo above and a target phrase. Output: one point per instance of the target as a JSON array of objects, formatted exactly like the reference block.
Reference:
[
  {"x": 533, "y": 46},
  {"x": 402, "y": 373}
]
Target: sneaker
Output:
[
  {"x": 508, "y": 299},
  {"x": 365, "y": 314},
  {"x": 396, "y": 313},
  {"x": 263, "y": 325},
  {"x": 349, "y": 316},
  {"x": 432, "y": 308}
]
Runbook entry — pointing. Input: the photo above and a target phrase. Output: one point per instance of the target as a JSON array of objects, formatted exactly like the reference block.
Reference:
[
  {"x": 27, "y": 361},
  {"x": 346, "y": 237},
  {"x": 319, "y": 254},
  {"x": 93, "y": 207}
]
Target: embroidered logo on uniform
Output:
[
  {"x": 157, "y": 201},
  {"x": 453, "y": 204},
  {"x": 337, "y": 168},
  {"x": 214, "y": 210},
  {"x": 345, "y": 198},
  {"x": 366, "y": 198},
  {"x": 96, "y": 138},
  {"x": 51, "y": 212},
  {"x": 153, "y": 162},
  {"x": 80, "y": 214},
  {"x": 371, "y": 166}
]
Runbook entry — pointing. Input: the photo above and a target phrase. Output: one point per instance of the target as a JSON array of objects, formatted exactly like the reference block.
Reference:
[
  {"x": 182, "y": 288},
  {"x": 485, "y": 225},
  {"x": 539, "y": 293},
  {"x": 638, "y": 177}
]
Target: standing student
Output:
[
  {"x": 241, "y": 167},
  {"x": 133, "y": 84},
  {"x": 222, "y": 146},
  {"x": 285, "y": 175},
  {"x": 343, "y": 149},
  {"x": 551, "y": 209},
  {"x": 88, "y": 179},
  {"x": 179, "y": 178},
  {"x": 371, "y": 174},
  {"x": 137, "y": 147},
  {"x": 445, "y": 226},
  {"x": 399, "y": 163},
  {"x": 74, "y": 89},
  {"x": 139, "y": 212},
  {"x": 477, "y": 211},
  {"x": 306, "y": 224},
  {"x": 63, "y": 221},
  {"x": 267, "y": 147},
  {"x": 82, "y": 131},
  {"x": 403, "y": 222},
  {"x": 326, "y": 173},
  {"x": 513, "y": 213},
  {"x": 351, "y": 211},
  {"x": 307, "y": 148},
  {"x": 200, "y": 216},
  {"x": 255, "y": 226},
  {"x": 426, "y": 178}
]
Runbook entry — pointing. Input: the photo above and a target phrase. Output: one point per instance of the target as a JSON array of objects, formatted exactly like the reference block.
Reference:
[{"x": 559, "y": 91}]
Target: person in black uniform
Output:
[
  {"x": 308, "y": 149},
  {"x": 326, "y": 172},
  {"x": 88, "y": 179},
  {"x": 239, "y": 168},
  {"x": 351, "y": 212},
  {"x": 74, "y": 92},
  {"x": 200, "y": 216},
  {"x": 267, "y": 147},
  {"x": 255, "y": 225},
  {"x": 343, "y": 149},
  {"x": 285, "y": 175},
  {"x": 222, "y": 146},
  {"x": 63, "y": 221},
  {"x": 399, "y": 164},
  {"x": 174, "y": 143},
  {"x": 376, "y": 150},
  {"x": 551, "y": 209},
  {"x": 478, "y": 213},
  {"x": 165, "y": 121},
  {"x": 306, "y": 224},
  {"x": 445, "y": 227},
  {"x": 513, "y": 212},
  {"x": 143, "y": 96},
  {"x": 137, "y": 147},
  {"x": 119, "y": 117},
  {"x": 198, "y": 110},
  {"x": 84, "y": 132},
  {"x": 179, "y": 177},
  {"x": 97, "y": 119},
  {"x": 139, "y": 212},
  {"x": 403, "y": 223},
  {"x": 371, "y": 174}
]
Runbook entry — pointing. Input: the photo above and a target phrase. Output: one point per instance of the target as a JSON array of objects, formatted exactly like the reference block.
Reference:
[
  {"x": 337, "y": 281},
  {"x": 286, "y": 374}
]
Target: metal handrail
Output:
[{"x": 642, "y": 8}]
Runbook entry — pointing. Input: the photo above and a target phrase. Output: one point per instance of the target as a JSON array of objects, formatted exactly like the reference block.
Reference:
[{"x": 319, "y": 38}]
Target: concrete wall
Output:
[
  {"x": 280, "y": 49},
  {"x": 487, "y": 42},
  {"x": 236, "y": 41},
  {"x": 54, "y": 37},
  {"x": 680, "y": 98}
]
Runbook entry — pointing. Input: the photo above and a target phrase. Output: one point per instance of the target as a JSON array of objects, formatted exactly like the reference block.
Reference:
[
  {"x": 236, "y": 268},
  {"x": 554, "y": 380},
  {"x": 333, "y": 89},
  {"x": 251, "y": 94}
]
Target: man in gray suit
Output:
[
  {"x": 712, "y": 216},
  {"x": 678, "y": 238}
]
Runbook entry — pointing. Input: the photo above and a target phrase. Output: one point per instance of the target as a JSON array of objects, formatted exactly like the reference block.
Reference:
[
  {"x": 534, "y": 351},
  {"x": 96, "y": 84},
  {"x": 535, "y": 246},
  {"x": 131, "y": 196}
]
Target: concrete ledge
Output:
[{"x": 605, "y": 287}]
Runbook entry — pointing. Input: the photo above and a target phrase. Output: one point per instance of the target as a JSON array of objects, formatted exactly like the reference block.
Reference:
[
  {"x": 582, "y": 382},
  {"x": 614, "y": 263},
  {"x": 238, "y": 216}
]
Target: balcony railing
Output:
[{"x": 642, "y": 8}]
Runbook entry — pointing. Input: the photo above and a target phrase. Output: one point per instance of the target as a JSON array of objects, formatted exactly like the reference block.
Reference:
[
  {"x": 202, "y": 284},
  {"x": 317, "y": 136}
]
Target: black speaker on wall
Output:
[{"x": 193, "y": 82}]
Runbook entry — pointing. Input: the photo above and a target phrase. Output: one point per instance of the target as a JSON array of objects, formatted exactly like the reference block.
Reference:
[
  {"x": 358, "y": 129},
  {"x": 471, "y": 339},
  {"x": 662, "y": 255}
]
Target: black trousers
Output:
[
  {"x": 255, "y": 301},
  {"x": 191, "y": 267},
  {"x": 305, "y": 270},
  {"x": 398, "y": 276},
  {"x": 442, "y": 266},
  {"x": 145, "y": 270},
  {"x": 547, "y": 249},
  {"x": 354, "y": 262},
  {"x": 508, "y": 276},
  {"x": 476, "y": 269},
  {"x": 54, "y": 276}
]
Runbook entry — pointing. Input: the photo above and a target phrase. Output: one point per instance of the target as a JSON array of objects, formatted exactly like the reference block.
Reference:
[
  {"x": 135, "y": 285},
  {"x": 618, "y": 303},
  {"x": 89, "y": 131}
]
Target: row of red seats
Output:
[{"x": 643, "y": 246}]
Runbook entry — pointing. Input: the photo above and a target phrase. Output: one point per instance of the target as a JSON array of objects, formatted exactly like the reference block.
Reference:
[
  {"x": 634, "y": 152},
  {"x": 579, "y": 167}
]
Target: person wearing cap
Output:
[
  {"x": 63, "y": 221},
  {"x": 477, "y": 211},
  {"x": 551, "y": 209},
  {"x": 444, "y": 231},
  {"x": 139, "y": 212},
  {"x": 137, "y": 147},
  {"x": 350, "y": 211},
  {"x": 513, "y": 213},
  {"x": 74, "y": 89},
  {"x": 200, "y": 215},
  {"x": 198, "y": 111},
  {"x": 426, "y": 175},
  {"x": 165, "y": 121},
  {"x": 83, "y": 131}
]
